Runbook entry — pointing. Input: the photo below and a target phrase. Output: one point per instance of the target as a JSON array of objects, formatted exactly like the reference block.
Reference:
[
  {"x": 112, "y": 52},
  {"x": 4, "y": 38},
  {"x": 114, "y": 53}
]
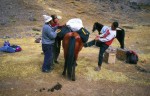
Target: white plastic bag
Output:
[{"x": 75, "y": 24}]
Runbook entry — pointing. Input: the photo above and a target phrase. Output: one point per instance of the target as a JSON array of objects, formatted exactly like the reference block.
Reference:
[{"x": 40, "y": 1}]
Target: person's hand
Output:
[
  {"x": 60, "y": 26},
  {"x": 58, "y": 30},
  {"x": 97, "y": 37}
]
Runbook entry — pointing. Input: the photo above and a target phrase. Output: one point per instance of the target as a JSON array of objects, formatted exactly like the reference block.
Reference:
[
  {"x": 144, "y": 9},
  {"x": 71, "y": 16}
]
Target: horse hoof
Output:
[
  {"x": 63, "y": 74},
  {"x": 73, "y": 79}
]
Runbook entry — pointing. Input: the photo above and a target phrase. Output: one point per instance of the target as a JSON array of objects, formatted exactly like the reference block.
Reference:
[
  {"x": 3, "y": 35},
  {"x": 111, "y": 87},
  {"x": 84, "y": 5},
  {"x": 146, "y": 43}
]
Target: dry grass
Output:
[
  {"x": 29, "y": 61},
  {"x": 24, "y": 63}
]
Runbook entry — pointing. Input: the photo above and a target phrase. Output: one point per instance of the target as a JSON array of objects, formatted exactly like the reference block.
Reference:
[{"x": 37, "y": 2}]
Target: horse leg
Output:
[
  {"x": 65, "y": 67},
  {"x": 76, "y": 63},
  {"x": 120, "y": 37},
  {"x": 73, "y": 72},
  {"x": 121, "y": 41},
  {"x": 69, "y": 72}
]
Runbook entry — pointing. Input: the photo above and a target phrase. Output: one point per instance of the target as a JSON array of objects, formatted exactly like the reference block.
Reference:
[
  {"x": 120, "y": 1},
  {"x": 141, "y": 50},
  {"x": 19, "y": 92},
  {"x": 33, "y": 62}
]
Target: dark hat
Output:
[
  {"x": 115, "y": 24},
  {"x": 53, "y": 16},
  {"x": 56, "y": 17}
]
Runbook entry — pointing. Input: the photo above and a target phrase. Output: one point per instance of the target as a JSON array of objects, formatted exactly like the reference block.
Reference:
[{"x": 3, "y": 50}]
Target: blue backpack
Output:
[{"x": 10, "y": 48}]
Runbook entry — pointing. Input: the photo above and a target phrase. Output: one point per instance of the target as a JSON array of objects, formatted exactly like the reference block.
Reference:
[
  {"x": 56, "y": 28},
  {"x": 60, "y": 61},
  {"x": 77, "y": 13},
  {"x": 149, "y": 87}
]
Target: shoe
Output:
[
  {"x": 97, "y": 69},
  {"x": 42, "y": 53},
  {"x": 52, "y": 67},
  {"x": 46, "y": 71},
  {"x": 85, "y": 45}
]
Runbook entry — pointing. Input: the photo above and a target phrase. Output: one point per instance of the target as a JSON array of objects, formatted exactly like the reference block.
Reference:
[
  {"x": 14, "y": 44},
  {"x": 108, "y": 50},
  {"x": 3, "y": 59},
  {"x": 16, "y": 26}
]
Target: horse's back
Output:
[
  {"x": 77, "y": 43},
  {"x": 120, "y": 33},
  {"x": 72, "y": 34}
]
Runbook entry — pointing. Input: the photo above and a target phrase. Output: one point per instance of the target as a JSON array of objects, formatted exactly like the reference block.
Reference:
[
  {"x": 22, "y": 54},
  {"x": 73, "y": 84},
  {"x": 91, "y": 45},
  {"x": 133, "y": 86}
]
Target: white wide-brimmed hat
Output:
[{"x": 47, "y": 18}]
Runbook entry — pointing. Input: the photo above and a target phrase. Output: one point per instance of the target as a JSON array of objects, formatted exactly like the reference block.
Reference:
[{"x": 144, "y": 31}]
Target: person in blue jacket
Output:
[{"x": 48, "y": 39}]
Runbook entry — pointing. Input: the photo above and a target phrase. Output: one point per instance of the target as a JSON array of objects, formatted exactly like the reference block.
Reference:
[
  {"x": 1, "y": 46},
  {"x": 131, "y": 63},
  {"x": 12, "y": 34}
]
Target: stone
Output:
[
  {"x": 121, "y": 54},
  {"x": 110, "y": 56}
]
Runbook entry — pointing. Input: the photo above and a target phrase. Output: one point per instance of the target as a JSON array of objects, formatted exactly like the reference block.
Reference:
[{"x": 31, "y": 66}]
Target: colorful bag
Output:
[
  {"x": 6, "y": 43},
  {"x": 84, "y": 34},
  {"x": 16, "y": 48},
  {"x": 62, "y": 32},
  {"x": 131, "y": 57}
]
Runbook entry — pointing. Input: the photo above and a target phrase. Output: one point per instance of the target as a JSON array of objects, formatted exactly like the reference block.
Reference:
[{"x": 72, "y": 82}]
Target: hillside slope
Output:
[{"x": 20, "y": 16}]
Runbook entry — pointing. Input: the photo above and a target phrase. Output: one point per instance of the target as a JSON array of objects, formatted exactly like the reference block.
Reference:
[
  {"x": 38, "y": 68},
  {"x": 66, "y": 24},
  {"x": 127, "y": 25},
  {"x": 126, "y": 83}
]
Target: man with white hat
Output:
[{"x": 48, "y": 39}]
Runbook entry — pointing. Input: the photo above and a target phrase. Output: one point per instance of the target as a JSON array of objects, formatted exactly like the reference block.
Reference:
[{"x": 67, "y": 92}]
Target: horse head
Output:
[
  {"x": 97, "y": 26},
  {"x": 94, "y": 26}
]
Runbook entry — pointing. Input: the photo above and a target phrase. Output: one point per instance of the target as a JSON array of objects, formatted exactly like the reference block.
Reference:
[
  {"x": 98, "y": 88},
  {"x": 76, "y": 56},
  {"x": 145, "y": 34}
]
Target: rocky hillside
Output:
[{"x": 23, "y": 15}]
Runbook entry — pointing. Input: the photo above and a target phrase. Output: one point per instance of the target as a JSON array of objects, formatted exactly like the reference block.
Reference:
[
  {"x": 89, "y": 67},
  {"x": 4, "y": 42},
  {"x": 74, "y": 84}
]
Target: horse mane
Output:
[{"x": 98, "y": 26}]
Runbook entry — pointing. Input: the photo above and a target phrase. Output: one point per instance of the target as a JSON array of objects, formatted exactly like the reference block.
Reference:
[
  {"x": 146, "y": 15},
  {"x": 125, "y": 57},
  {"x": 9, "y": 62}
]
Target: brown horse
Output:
[{"x": 72, "y": 45}]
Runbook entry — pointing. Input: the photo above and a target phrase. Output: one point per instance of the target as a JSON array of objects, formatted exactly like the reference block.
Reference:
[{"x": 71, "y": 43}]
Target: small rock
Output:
[
  {"x": 35, "y": 90},
  {"x": 32, "y": 19},
  {"x": 36, "y": 29}
]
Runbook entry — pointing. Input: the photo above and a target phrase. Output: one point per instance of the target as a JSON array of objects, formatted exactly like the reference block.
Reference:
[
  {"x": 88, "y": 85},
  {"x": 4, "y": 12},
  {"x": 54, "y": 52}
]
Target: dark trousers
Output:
[
  {"x": 48, "y": 56},
  {"x": 102, "y": 46},
  {"x": 56, "y": 49}
]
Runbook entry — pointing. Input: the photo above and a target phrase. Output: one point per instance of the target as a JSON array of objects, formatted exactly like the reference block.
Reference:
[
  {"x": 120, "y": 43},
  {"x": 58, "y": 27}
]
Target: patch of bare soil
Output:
[
  {"x": 18, "y": 18},
  {"x": 41, "y": 86}
]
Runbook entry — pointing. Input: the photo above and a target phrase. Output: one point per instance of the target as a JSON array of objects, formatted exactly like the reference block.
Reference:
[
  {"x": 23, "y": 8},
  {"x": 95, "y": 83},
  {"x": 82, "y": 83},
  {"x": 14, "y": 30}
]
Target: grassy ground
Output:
[
  {"x": 20, "y": 72},
  {"x": 29, "y": 60}
]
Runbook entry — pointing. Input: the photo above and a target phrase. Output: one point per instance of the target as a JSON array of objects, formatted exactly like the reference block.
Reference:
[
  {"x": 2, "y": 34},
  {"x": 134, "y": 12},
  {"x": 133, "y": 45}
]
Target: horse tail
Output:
[
  {"x": 70, "y": 57},
  {"x": 121, "y": 36}
]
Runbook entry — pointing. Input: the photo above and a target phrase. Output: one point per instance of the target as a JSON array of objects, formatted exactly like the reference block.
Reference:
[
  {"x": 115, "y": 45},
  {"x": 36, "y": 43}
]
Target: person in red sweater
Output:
[
  {"x": 57, "y": 43},
  {"x": 55, "y": 19},
  {"x": 103, "y": 41}
]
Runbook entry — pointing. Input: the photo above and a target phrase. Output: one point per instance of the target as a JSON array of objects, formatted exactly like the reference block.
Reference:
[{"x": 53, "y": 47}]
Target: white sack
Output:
[{"x": 75, "y": 24}]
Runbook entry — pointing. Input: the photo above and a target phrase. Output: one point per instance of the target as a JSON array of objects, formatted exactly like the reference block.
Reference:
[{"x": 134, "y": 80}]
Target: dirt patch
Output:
[{"x": 39, "y": 86}]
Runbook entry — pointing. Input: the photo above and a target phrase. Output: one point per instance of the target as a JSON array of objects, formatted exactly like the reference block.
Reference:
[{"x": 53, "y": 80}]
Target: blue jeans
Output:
[{"x": 48, "y": 56}]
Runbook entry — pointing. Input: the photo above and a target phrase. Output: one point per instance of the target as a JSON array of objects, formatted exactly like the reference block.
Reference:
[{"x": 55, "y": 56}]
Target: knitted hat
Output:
[{"x": 47, "y": 18}]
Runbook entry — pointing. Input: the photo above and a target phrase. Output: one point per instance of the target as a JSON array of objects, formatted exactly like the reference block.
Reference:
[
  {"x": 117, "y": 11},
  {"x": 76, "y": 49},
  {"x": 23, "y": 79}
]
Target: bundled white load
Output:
[{"x": 75, "y": 24}]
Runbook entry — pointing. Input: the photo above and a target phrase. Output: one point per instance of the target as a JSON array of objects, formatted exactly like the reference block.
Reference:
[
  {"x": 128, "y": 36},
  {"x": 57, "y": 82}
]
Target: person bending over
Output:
[{"x": 103, "y": 41}]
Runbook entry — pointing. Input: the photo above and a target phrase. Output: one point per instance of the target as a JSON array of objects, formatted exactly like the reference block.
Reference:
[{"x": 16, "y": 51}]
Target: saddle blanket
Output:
[{"x": 84, "y": 34}]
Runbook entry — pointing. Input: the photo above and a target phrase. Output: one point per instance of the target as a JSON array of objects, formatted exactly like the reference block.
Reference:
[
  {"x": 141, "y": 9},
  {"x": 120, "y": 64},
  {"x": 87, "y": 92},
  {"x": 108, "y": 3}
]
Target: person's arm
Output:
[
  {"x": 51, "y": 33},
  {"x": 55, "y": 28},
  {"x": 108, "y": 37},
  {"x": 101, "y": 35},
  {"x": 104, "y": 31},
  {"x": 105, "y": 39},
  {"x": 105, "y": 34}
]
